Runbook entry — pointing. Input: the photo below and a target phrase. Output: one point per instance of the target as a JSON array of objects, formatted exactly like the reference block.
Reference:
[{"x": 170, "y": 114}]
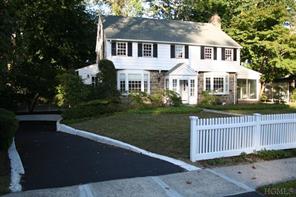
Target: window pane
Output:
[
  {"x": 241, "y": 88},
  {"x": 147, "y": 50},
  {"x": 122, "y": 82},
  {"x": 179, "y": 51},
  {"x": 208, "y": 84},
  {"x": 121, "y": 48},
  {"x": 228, "y": 54},
  {"x": 145, "y": 82},
  {"x": 175, "y": 85},
  {"x": 208, "y": 53},
  {"x": 192, "y": 85},
  {"x": 134, "y": 82},
  {"x": 252, "y": 89},
  {"x": 218, "y": 84},
  {"x": 167, "y": 84}
]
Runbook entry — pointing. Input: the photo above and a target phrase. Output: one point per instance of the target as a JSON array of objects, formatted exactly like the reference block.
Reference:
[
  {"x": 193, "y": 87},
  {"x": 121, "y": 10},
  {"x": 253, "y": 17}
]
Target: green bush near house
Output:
[
  {"x": 92, "y": 108},
  {"x": 71, "y": 90},
  {"x": 158, "y": 99},
  {"x": 208, "y": 99},
  {"x": 8, "y": 127}
]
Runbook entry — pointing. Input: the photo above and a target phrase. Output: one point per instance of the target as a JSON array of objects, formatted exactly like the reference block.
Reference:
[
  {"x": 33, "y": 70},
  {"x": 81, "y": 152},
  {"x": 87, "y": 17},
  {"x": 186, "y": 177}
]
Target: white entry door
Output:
[{"x": 184, "y": 91}]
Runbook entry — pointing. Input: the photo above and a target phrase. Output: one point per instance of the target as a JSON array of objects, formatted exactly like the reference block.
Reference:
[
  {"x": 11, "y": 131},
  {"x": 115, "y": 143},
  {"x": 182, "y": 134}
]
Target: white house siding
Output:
[
  {"x": 165, "y": 62},
  {"x": 86, "y": 73}
]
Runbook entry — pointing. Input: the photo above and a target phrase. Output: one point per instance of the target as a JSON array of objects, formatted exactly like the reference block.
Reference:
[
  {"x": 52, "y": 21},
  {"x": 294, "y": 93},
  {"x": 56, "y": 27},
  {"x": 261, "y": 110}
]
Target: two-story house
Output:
[{"x": 186, "y": 57}]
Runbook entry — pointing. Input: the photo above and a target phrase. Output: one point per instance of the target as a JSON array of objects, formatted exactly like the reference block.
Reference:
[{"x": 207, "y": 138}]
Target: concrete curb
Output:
[
  {"x": 106, "y": 140},
  {"x": 17, "y": 168}
]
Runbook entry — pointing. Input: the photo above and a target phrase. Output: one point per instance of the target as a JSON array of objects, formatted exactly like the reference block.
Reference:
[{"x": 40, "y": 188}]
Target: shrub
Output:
[
  {"x": 158, "y": 99},
  {"x": 140, "y": 100},
  {"x": 8, "y": 127},
  {"x": 293, "y": 96},
  {"x": 208, "y": 99},
  {"x": 71, "y": 90},
  {"x": 107, "y": 77},
  {"x": 91, "y": 109},
  {"x": 263, "y": 98},
  {"x": 172, "y": 98}
]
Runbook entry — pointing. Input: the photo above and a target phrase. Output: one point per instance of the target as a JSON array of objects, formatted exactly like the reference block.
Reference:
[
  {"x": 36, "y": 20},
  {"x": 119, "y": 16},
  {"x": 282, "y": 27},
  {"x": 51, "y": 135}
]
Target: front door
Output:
[{"x": 184, "y": 91}]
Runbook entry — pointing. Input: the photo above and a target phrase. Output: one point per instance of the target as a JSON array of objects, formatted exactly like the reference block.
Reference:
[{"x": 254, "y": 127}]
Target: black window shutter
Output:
[
  {"x": 129, "y": 49},
  {"x": 186, "y": 51},
  {"x": 154, "y": 50},
  {"x": 234, "y": 54},
  {"x": 202, "y": 52},
  {"x": 223, "y": 53},
  {"x": 139, "y": 49},
  {"x": 172, "y": 51},
  {"x": 215, "y": 53},
  {"x": 113, "y": 50}
]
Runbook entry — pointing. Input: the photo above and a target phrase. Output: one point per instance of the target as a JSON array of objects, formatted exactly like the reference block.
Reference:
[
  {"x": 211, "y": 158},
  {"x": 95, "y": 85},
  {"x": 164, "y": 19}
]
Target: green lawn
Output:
[
  {"x": 255, "y": 108},
  {"x": 281, "y": 189},
  {"x": 160, "y": 130},
  {"x": 4, "y": 173}
]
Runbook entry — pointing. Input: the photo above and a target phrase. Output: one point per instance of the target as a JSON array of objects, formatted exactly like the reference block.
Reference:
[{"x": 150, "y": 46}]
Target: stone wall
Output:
[
  {"x": 156, "y": 81},
  {"x": 229, "y": 98}
]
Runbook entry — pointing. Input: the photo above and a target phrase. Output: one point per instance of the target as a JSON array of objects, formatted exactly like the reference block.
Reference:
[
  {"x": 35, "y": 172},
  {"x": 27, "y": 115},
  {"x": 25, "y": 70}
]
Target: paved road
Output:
[{"x": 54, "y": 159}]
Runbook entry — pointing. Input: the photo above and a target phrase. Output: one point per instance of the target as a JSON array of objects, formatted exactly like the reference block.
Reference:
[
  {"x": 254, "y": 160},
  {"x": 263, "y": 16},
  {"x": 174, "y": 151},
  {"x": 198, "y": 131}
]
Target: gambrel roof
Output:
[{"x": 167, "y": 31}]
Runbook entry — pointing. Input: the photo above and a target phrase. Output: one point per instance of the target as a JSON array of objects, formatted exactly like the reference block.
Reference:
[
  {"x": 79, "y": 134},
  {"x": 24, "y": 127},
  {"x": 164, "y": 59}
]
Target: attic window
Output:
[{"x": 121, "y": 48}]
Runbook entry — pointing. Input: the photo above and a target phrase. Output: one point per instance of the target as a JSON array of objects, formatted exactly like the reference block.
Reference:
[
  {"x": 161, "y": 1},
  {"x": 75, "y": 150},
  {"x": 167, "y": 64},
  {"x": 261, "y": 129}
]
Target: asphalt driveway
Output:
[{"x": 54, "y": 159}]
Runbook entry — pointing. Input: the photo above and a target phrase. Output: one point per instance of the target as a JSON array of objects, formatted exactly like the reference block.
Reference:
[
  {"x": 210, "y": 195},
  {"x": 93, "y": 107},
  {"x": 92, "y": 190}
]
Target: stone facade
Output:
[
  {"x": 156, "y": 81},
  {"x": 229, "y": 98}
]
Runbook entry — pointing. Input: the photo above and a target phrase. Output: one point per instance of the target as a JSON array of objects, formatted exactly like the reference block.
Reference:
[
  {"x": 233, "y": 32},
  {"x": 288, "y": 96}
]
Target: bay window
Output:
[
  {"x": 216, "y": 83},
  {"x": 133, "y": 81}
]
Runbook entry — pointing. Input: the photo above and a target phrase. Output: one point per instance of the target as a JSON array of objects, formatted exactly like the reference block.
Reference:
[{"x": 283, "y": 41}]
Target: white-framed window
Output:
[
  {"x": 192, "y": 87},
  {"x": 147, "y": 49},
  {"x": 175, "y": 85},
  {"x": 133, "y": 81},
  {"x": 121, "y": 48},
  {"x": 247, "y": 88},
  {"x": 122, "y": 82},
  {"x": 216, "y": 83},
  {"x": 208, "y": 53},
  {"x": 167, "y": 84},
  {"x": 229, "y": 54},
  {"x": 179, "y": 51}
]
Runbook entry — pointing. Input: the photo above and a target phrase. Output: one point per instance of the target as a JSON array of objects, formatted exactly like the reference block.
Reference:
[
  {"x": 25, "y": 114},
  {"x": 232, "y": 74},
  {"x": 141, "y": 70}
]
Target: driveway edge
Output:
[
  {"x": 106, "y": 140},
  {"x": 17, "y": 168}
]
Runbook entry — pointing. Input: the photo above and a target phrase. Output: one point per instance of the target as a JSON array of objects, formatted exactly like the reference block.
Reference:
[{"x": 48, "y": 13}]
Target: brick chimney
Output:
[{"x": 216, "y": 20}]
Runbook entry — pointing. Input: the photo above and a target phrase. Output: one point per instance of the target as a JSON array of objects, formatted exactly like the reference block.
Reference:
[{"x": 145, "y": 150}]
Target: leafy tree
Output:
[
  {"x": 49, "y": 36},
  {"x": 268, "y": 47}
]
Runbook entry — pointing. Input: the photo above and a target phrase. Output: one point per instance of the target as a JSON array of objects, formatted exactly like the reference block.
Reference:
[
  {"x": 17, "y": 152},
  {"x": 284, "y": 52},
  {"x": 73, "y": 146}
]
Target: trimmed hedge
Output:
[
  {"x": 92, "y": 109},
  {"x": 8, "y": 127}
]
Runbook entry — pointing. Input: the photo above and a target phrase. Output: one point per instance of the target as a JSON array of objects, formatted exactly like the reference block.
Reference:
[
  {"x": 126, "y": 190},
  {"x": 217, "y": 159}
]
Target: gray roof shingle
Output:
[{"x": 171, "y": 31}]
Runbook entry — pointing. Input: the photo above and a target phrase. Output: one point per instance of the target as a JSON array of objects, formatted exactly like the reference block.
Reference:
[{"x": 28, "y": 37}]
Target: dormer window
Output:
[
  {"x": 229, "y": 54},
  {"x": 121, "y": 48},
  {"x": 179, "y": 51},
  {"x": 208, "y": 53},
  {"x": 147, "y": 50}
]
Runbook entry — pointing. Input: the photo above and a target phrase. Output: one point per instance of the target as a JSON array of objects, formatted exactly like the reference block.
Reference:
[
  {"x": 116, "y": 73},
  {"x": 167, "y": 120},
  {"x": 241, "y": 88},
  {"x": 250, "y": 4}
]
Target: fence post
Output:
[
  {"x": 257, "y": 131},
  {"x": 193, "y": 138}
]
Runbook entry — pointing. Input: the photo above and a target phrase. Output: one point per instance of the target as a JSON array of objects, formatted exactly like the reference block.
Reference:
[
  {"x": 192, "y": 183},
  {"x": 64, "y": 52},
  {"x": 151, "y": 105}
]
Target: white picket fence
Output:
[{"x": 230, "y": 136}]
